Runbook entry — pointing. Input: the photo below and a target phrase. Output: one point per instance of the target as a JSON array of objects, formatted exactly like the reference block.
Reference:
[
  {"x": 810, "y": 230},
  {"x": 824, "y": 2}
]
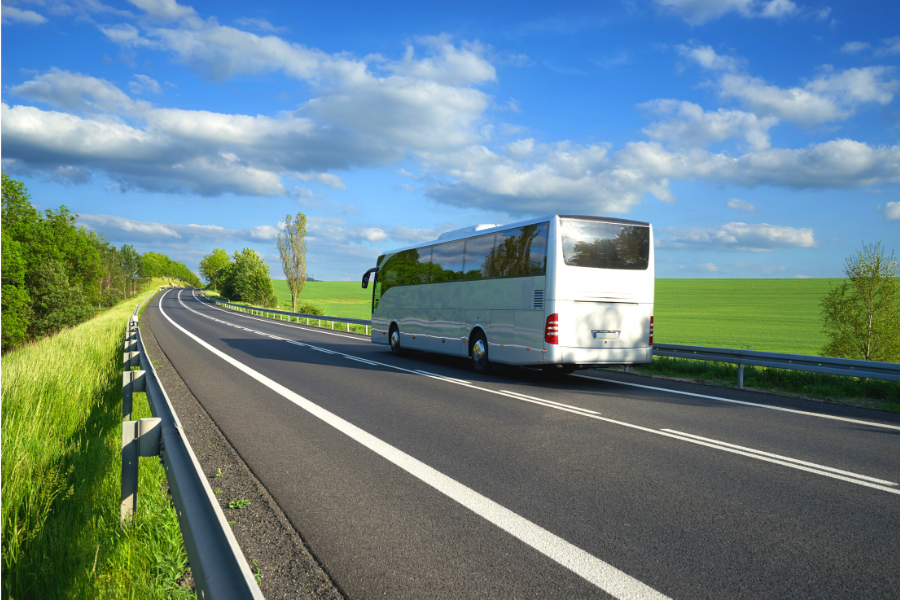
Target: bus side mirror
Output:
[{"x": 365, "y": 279}]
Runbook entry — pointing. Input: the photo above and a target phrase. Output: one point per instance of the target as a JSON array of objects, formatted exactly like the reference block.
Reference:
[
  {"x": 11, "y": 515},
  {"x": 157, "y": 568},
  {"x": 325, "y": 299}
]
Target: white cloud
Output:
[
  {"x": 164, "y": 10},
  {"x": 447, "y": 64},
  {"x": 143, "y": 84},
  {"x": 707, "y": 58},
  {"x": 118, "y": 229},
  {"x": 711, "y": 267},
  {"x": 332, "y": 181},
  {"x": 740, "y": 205},
  {"x": 889, "y": 47},
  {"x": 374, "y": 234},
  {"x": 694, "y": 127},
  {"x": 698, "y": 12},
  {"x": 854, "y": 47},
  {"x": 830, "y": 97},
  {"x": 11, "y": 14},
  {"x": 259, "y": 24},
  {"x": 738, "y": 236},
  {"x": 76, "y": 92},
  {"x": 891, "y": 211}
]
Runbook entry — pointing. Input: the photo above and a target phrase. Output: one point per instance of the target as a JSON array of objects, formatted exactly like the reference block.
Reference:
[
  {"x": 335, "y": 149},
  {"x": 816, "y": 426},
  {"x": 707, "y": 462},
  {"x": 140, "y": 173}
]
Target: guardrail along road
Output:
[{"x": 414, "y": 477}]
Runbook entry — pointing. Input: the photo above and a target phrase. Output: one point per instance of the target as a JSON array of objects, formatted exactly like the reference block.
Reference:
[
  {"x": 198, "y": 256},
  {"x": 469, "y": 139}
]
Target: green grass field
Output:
[
  {"x": 775, "y": 315},
  {"x": 61, "y": 465}
]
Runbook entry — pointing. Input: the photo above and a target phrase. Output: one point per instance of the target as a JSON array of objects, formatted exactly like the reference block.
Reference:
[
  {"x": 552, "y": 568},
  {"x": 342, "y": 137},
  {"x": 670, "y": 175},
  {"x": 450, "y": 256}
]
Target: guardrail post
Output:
[
  {"x": 139, "y": 438},
  {"x": 132, "y": 381},
  {"x": 740, "y": 376}
]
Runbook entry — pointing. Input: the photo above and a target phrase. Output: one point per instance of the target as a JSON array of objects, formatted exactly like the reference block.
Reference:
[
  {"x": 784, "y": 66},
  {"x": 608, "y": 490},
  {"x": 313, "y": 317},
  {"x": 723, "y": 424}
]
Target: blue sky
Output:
[{"x": 760, "y": 137}]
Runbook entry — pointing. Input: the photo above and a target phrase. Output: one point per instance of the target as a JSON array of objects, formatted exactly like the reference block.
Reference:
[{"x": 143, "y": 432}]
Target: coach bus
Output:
[{"x": 560, "y": 292}]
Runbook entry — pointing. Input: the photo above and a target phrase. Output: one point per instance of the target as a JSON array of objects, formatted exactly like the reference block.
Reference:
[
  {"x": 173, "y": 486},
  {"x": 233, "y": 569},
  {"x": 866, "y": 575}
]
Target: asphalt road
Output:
[{"x": 413, "y": 477}]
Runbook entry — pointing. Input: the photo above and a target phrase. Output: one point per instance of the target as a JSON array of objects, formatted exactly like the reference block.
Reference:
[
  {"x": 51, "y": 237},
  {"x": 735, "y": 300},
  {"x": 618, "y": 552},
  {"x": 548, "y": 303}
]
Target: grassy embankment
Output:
[
  {"x": 61, "y": 465},
  {"x": 773, "y": 315}
]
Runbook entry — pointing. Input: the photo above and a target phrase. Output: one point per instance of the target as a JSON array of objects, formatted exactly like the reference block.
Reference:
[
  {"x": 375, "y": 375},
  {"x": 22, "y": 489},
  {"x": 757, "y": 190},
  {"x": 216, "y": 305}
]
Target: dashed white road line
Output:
[
  {"x": 598, "y": 572},
  {"x": 830, "y": 472}
]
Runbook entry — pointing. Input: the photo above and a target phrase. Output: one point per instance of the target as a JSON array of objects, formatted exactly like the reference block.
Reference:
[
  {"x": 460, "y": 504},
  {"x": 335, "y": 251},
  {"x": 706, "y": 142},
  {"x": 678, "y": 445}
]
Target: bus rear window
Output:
[{"x": 605, "y": 245}]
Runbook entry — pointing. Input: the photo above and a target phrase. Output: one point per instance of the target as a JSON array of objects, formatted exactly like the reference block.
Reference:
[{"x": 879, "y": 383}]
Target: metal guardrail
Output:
[
  {"x": 795, "y": 362},
  {"x": 219, "y": 567},
  {"x": 271, "y": 311}
]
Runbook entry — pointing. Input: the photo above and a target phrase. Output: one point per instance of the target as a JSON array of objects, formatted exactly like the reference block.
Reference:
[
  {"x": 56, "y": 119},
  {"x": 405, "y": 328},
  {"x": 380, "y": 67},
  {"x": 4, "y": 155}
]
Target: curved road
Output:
[{"x": 413, "y": 477}]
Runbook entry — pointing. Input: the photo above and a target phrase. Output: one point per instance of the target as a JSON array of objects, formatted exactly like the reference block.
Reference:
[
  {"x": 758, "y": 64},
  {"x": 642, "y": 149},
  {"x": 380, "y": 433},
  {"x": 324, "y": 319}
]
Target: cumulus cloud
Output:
[
  {"x": 738, "y": 236},
  {"x": 740, "y": 205},
  {"x": 711, "y": 267},
  {"x": 891, "y": 211},
  {"x": 707, "y": 58},
  {"x": 164, "y": 10},
  {"x": 830, "y": 97},
  {"x": 691, "y": 126},
  {"x": 11, "y": 14},
  {"x": 698, "y": 12},
  {"x": 142, "y": 84}
]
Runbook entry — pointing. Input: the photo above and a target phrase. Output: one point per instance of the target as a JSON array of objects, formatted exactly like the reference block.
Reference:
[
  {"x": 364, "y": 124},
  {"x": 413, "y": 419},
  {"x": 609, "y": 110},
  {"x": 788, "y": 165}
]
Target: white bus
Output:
[{"x": 561, "y": 292}]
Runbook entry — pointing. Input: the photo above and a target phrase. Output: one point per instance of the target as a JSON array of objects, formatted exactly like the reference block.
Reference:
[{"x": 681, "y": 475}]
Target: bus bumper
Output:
[{"x": 566, "y": 355}]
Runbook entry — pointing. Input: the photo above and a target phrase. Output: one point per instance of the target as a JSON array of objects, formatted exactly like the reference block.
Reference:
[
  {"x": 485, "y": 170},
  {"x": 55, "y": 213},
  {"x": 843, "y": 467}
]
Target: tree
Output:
[
  {"x": 16, "y": 310},
  {"x": 861, "y": 316},
  {"x": 211, "y": 264},
  {"x": 292, "y": 248},
  {"x": 247, "y": 279}
]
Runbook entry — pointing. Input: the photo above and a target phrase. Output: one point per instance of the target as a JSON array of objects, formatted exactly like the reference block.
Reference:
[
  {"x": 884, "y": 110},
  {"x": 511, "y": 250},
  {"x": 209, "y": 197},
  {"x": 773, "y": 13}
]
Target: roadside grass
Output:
[
  {"x": 851, "y": 391},
  {"x": 61, "y": 465}
]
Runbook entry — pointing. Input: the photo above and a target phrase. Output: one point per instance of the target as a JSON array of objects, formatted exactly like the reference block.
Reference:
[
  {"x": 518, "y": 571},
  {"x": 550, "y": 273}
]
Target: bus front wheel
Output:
[
  {"x": 394, "y": 338},
  {"x": 480, "y": 361}
]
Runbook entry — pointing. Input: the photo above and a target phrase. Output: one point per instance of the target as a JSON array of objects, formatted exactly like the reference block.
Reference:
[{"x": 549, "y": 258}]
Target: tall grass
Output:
[{"x": 61, "y": 464}]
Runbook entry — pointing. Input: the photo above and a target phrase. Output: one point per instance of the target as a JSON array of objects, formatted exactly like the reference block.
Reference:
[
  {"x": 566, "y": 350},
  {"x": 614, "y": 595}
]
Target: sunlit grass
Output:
[{"x": 61, "y": 464}]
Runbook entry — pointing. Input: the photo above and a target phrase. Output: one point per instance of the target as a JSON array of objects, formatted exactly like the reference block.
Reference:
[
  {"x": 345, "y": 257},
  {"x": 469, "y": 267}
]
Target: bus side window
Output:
[
  {"x": 479, "y": 256},
  {"x": 448, "y": 260}
]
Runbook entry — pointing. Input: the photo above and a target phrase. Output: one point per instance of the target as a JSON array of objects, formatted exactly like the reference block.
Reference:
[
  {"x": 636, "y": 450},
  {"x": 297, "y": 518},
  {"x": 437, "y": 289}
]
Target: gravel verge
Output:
[{"x": 274, "y": 550}]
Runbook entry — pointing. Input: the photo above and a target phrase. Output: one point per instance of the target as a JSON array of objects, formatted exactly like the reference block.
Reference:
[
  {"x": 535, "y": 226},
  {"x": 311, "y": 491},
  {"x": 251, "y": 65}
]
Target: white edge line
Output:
[
  {"x": 790, "y": 410},
  {"x": 600, "y": 573},
  {"x": 787, "y": 458}
]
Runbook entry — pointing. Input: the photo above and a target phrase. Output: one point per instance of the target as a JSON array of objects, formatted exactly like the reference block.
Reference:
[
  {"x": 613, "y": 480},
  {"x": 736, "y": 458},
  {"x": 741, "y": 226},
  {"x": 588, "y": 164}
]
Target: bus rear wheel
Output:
[
  {"x": 394, "y": 337},
  {"x": 480, "y": 361}
]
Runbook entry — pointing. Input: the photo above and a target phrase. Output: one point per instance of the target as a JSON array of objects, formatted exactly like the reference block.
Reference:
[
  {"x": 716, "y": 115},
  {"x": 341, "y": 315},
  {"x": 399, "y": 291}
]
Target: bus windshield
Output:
[{"x": 605, "y": 245}]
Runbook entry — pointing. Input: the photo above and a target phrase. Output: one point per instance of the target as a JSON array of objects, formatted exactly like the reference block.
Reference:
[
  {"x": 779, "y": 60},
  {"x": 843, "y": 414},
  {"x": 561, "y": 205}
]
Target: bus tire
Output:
[
  {"x": 479, "y": 353},
  {"x": 394, "y": 340}
]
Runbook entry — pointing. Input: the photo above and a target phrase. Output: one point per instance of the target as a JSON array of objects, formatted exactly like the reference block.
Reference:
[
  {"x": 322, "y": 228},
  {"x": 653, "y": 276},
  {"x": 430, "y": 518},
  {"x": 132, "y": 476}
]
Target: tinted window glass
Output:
[
  {"x": 521, "y": 251},
  {"x": 449, "y": 257},
  {"x": 479, "y": 252},
  {"x": 605, "y": 245}
]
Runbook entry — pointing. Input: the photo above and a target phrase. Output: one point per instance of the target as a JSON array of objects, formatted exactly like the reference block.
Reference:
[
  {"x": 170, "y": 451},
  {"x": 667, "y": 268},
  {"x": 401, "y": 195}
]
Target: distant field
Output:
[
  {"x": 335, "y": 298},
  {"x": 775, "y": 315}
]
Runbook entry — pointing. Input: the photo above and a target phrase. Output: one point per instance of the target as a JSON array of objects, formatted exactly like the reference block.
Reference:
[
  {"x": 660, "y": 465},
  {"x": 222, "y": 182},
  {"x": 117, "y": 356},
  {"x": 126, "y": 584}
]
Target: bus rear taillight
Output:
[
  {"x": 651, "y": 330},
  {"x": 551, "y": 331}
]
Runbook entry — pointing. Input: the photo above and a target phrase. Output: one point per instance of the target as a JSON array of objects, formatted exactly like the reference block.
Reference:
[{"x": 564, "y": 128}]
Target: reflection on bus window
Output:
[{"x": 605, "y": 245}]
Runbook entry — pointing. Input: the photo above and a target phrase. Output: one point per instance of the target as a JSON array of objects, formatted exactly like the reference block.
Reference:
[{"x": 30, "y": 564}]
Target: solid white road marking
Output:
[
  {"x": 599, "y": 573},
  {"x": 730, "y": 448},
  {"x": 779, "y": 457},
  {"x": 779, "y": 408}
]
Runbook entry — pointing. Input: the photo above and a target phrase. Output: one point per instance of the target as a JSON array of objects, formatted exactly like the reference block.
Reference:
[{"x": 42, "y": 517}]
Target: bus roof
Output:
[{"x": 451, "y": 236}]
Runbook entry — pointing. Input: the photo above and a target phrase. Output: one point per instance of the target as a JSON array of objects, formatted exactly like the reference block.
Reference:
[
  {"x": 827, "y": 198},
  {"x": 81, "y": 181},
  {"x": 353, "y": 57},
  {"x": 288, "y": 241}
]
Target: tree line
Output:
[{"x": 56, "y": 274}]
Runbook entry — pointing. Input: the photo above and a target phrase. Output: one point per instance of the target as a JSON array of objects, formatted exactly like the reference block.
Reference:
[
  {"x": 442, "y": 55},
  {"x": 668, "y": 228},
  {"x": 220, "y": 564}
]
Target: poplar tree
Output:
[{"x": 292, "y": 248}]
